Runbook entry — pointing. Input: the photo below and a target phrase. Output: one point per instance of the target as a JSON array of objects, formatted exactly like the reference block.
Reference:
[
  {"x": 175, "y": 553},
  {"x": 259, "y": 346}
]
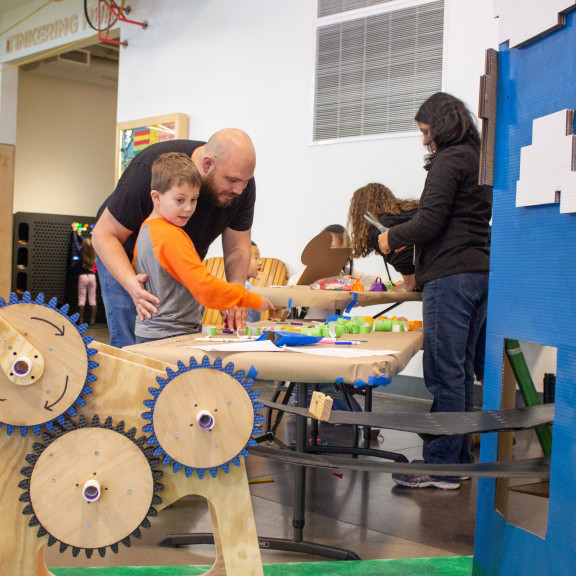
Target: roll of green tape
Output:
[{"x": 365, "y": 329}]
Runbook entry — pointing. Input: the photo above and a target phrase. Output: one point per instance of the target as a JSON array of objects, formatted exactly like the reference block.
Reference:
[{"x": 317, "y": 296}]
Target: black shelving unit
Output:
[{"x": 43, "y": 257}]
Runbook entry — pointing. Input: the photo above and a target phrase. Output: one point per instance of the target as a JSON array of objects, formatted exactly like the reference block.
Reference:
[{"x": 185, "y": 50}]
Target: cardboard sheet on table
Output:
[
  {"x": 320, "y": 260},
  {"x": 307, "y": 368},
  {"x": 268, "y": 346},
  {"x": 333, "y": 299}
]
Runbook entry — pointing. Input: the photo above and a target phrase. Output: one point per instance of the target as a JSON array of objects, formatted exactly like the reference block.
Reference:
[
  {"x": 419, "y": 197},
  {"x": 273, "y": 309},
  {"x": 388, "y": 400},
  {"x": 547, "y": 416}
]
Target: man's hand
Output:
[
  {"x": 144, "y": 301},
  {"x": 235, "y": 318}
]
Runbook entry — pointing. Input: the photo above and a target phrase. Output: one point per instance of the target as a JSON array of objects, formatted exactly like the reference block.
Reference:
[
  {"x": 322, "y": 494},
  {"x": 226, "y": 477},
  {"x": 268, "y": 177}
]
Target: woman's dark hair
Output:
[{"x": 450, "y": 121}]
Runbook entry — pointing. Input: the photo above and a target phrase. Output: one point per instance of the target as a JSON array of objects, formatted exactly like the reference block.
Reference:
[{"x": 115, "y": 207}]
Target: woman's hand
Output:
[{"x": 383, "y": 243}]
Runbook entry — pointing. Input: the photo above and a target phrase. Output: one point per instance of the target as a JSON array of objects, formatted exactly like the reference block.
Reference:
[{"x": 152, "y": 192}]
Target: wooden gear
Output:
[
  {"x": 116, "y": 469},
  {"x": 122, "y": 387}
]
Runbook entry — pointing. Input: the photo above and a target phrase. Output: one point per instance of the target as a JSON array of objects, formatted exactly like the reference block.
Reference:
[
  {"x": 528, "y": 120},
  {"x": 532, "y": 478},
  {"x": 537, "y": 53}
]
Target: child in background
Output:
[
  {"x": 259, "y": 279},
  {"x": 390, "y": 211},
  {"x": 166, "y": 256},
  {"x": 86, "y": 276}
]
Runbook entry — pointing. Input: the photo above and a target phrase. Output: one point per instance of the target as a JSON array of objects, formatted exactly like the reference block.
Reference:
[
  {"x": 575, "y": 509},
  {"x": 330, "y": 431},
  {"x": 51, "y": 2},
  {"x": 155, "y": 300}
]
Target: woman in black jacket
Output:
[{"x": 452, "y": 258}]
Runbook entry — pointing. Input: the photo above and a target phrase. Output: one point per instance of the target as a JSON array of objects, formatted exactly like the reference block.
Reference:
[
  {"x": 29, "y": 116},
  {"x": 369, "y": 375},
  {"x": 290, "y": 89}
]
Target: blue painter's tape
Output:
[
  {"x": 252, "y": 373},
  {"x": 289, "y": 303},
  {"x": 372, "y": 381},
  {"x": 352, "y": 303}
]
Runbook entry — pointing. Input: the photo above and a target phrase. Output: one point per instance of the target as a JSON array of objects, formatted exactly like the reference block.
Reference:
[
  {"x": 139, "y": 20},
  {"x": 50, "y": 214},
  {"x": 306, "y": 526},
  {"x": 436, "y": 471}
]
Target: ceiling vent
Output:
[{"x": 79, "y": 57}]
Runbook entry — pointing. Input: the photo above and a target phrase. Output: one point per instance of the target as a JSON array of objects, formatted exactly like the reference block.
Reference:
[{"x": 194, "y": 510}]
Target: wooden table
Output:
[
  {"x": 304, "y": 369},
  {"x": 297, "y": 296}
]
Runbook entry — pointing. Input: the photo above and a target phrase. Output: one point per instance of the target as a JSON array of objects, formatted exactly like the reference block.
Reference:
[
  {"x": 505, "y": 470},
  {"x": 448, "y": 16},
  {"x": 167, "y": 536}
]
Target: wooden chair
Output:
[{"x": 276, "y": 274}]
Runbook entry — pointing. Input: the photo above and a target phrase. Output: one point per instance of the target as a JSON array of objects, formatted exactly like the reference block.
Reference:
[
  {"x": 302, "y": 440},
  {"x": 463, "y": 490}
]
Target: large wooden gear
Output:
[
  {"x": 202, "y": 417},
  {"x": 45, "y": 364},
  {"x": 71, "y": 436},
  {"x": 91, "y": 487}
]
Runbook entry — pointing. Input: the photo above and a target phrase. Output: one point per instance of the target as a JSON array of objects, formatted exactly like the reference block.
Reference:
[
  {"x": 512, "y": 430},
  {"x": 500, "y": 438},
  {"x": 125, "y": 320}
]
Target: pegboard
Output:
[{"x": 42, "y": 252}]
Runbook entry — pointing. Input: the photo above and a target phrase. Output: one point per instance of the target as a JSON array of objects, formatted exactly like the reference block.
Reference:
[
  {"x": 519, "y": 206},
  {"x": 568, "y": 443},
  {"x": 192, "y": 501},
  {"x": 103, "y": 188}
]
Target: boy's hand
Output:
[
  {"x": 266, "y": 305},
  {"x": 144, "y": 301}
]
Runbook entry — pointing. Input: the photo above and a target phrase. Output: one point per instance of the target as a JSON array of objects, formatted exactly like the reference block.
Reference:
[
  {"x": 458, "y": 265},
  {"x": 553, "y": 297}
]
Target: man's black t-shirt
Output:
[{"x": 131, "y": 204}]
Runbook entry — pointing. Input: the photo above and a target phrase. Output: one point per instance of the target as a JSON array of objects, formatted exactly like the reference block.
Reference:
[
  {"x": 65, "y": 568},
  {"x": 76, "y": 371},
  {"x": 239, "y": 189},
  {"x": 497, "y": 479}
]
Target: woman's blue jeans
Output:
[{"x": 454, "y": 310}]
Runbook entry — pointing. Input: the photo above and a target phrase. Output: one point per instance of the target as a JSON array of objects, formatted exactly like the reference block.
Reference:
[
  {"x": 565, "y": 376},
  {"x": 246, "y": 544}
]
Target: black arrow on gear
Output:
[
  {"x": 49, "y": 406},
  {"x": 59, "y": 331}
]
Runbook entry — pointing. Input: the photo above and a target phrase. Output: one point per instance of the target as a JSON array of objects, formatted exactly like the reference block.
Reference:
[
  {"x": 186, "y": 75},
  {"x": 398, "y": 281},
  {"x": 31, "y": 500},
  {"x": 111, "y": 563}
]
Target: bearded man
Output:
[{"x": 225, "y": 208}]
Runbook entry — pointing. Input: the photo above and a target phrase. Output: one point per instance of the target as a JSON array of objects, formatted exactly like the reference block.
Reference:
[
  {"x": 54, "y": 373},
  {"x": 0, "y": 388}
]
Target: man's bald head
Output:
[
  {"x": 231, "y": 141},
  {"x": 227, "y": 163}
]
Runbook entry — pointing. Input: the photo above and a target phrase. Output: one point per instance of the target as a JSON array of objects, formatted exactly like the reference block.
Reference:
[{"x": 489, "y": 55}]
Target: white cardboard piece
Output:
[
  {"x": 523, "y": 21},
  {"x": 546, "y": 167}
]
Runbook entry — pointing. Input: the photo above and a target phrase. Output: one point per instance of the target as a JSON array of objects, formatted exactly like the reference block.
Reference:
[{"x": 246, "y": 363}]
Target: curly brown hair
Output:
[{"x": 378, "y": 199}]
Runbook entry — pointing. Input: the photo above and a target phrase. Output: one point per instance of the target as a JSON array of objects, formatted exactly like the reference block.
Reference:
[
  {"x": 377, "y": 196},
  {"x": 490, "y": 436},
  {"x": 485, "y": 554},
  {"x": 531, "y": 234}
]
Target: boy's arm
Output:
[{"x": 176, "y": 254}]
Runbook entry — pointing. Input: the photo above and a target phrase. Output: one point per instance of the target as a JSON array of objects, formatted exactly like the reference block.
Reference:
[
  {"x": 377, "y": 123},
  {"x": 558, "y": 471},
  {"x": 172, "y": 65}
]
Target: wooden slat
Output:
[
  {"x": 6, "y": 217},
  {"x": 274, "y": 269}
]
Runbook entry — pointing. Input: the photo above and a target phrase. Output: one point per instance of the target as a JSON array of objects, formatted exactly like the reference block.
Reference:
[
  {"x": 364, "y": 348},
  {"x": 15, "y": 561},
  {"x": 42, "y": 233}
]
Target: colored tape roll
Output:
[{"x": 365, "y": 329}]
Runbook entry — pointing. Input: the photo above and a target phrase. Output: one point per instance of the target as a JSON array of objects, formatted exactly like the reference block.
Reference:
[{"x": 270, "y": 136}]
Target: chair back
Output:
[{"x": 275, "y": 270}]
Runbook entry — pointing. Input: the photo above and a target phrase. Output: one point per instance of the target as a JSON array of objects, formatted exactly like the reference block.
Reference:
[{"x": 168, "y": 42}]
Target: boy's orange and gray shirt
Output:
[{"x": 178, "y": 278}]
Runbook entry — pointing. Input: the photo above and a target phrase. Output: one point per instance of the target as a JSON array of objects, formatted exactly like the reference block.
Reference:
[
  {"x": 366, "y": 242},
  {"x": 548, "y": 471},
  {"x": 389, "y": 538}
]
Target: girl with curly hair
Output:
[{"x": 390, "y": 211}]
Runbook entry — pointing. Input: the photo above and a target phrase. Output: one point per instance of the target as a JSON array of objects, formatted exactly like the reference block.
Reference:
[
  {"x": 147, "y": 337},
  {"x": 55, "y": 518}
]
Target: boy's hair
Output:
[
  {"x": 174, "y": 169},
  {"x": 339, "y": 231}
]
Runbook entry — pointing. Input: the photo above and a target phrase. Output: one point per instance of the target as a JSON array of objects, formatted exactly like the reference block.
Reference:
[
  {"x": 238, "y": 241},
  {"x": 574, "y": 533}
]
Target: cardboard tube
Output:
[
  {"x": 91, "y": 490},
  {"x": 205, "y": 420}
]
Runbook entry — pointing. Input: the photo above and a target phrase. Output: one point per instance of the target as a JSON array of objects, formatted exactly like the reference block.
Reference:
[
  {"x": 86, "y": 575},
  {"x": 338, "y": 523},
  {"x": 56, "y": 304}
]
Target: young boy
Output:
[
  {"x": 167, "y": 256},
  {"x": 255, "y": 273}
]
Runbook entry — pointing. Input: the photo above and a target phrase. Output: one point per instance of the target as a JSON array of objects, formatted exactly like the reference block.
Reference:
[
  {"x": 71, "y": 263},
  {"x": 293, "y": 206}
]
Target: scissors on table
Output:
[{"x": 375, "y": 222}]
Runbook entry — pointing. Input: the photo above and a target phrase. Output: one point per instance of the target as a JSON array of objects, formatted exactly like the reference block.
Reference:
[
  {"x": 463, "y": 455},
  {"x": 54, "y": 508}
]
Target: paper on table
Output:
[
  {"x": 268, "y": 346},
  {"x": 242, "y": 346},
  {"x": 341, "y": 352}
]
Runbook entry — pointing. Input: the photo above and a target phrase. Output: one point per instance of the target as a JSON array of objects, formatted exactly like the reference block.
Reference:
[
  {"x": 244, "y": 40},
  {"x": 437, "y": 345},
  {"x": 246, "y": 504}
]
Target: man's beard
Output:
[{"x": 209, "y": 192}]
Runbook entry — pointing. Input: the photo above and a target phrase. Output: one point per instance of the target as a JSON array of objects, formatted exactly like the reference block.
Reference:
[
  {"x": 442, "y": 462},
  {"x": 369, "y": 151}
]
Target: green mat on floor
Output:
[{"x": 451, "y": 566}]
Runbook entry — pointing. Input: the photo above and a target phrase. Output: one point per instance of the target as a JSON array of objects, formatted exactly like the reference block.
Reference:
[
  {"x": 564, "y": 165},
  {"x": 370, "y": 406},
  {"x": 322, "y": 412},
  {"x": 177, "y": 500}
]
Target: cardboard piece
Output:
[
  {"x": 320, "y": 260},
  {"x": 533, "y": 83},
  {"x": 524, "y": 21},
  {"x": 546, "y": 166}
]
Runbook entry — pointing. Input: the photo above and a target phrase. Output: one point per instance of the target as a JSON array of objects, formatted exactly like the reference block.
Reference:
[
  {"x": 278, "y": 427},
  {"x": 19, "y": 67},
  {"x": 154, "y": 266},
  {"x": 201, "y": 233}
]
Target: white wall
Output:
[
  {"x": 65, "y": 144},
  {"x": 247, "y": 64},
  {"x": 250, "y": 65}
]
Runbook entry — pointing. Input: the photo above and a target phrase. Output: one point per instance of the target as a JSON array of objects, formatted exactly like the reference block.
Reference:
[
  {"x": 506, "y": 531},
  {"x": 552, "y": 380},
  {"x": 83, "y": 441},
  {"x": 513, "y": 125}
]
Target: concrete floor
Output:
[{"x": 360, "y": 511}]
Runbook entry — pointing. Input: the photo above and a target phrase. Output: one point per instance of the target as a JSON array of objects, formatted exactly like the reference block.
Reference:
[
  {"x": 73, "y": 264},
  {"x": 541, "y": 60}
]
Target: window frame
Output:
[{"x": 367, "y": 12}]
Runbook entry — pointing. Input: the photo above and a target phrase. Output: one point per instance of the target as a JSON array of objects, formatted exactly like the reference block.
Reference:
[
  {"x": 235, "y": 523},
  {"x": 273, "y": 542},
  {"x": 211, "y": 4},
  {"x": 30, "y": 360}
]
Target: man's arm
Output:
[
  {"x": 237, "y": 250},
  {"x": 108, "y": 237}
]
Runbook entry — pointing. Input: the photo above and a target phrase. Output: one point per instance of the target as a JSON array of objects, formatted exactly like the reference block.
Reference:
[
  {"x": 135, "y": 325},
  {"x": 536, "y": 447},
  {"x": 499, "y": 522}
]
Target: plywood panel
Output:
[{"x": 6, "y": 207}]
